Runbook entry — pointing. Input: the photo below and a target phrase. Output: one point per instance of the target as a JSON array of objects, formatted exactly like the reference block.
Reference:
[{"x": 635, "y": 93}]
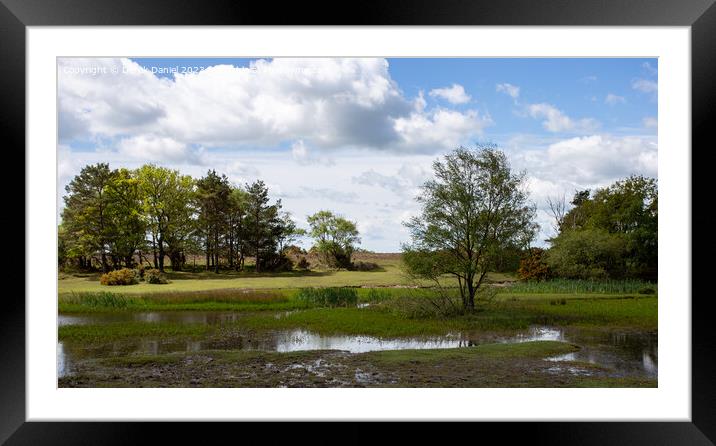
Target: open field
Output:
[{"x": 231, "y": 329}]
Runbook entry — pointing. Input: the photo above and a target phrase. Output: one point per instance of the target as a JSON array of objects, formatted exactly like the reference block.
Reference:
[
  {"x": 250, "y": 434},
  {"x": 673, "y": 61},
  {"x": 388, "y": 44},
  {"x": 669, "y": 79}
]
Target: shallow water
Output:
[{"x": 627, "y": 353}]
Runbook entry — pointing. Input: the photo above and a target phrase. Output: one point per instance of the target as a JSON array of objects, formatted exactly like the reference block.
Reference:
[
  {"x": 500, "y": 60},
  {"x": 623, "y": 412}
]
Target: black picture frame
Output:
[{"x": 700, "y": 15}]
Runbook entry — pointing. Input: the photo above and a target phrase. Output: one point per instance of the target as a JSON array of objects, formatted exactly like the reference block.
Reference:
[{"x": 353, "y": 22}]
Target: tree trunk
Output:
[
  {"x": 207, "y": 253},
  {"x": 471, "y": 295},
  {"x": 161, "y": 254},
  {"x": 154, "y": 251}
]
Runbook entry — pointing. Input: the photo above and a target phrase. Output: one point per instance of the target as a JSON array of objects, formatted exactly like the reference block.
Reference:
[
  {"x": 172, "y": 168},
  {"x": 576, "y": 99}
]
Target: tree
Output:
[
  {"x": 85, "y": 214},
  {"x": 623, "y": 215},
  {"x": 166, "y": 202},
  {"x": 286, "y": 231},
  {"x": 591, "y": 253},
  {"x": 335, "y": 237},
  {"x": 473, "y": 209},
  {"x": 126, "y": 225},
  {"x": 237, "y": 214},
  {"x": 213, "y": 201},
  {"x": 261, "y": 219}
]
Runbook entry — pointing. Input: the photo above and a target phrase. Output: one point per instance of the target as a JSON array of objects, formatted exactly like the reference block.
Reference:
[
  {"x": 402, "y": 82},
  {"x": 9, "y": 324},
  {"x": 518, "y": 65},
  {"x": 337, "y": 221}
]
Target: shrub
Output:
[
  {"x": 647, "y": 290},
  {"x": 276, "y": 263},
  {"x": 533, "y": 266},
  {"x": 303, "y": 264},
  {"x": 328, "y": 297},
  {"x": 364, "y": 266},
  {"x": 154, "y": 276},
  {"x": 124, "y": 276}
]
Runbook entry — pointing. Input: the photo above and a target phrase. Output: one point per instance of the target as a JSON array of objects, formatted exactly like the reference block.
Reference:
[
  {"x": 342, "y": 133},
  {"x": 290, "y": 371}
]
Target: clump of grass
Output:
[
  {"x": 375, "y": 295},
  {"x": 99, "y": 300},
  {"x": 328, "y": 297},
  {"x": 579, "y": 286},
  {"x": 221, "y": 295},
  {"x": 231, "y": 299}
]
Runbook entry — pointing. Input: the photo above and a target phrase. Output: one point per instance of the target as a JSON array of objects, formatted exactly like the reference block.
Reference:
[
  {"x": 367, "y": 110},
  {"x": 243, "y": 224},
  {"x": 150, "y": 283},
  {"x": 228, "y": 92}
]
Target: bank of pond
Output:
[{"x": 246, "y": 338}]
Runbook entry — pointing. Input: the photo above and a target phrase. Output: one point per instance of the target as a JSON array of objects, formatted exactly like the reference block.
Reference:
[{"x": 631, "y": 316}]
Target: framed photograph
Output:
[{"x": 424, "y": 212}]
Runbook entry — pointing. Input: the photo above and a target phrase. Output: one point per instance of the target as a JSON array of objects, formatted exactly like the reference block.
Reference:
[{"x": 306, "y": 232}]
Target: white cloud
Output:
[
  {"x": 587, "y": 162},
  {"x": 419, "y": 103},
  {"x": 159, "y": 148},
  {"x": 439, "y": 129},
  {"x": 404, "y": 181},
  {"x": 454, "y": 94},
  {"x": 645, "y": 85},
  {"x": 650, "y": 122},
  {"x": 301, "y": 154},
  {"x": 241, "y": 172},
  {"x": 327, "y": 103},
  {"x": 649, "y": 69},
  {"x": 600, "y": 158},
  {"x": 511, "y": 90},
  {"x": 554, "y": 120},
  {"x": 613, "y": 99}
]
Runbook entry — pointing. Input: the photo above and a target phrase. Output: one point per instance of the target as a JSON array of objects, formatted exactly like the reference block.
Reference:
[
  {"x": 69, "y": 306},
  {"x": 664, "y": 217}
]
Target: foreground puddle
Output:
[{"x": 627, "y": 353}]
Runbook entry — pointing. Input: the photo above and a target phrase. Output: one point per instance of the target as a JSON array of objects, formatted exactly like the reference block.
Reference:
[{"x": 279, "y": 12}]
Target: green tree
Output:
[
  {"x": 166, "y": 201},
  {"x": 126, "y": 223},
  {"x": 237, "y": 224},
  {"x": 85, "y": 213},
  {"x": 260, "y": 223},
  {"x": 590, "y": 253},
  {"x": 626, "y": 213},
  {"x": 335, "y": 237},
  {"x": 213, "y": 201},
  {"x": 472, "y": 210}
]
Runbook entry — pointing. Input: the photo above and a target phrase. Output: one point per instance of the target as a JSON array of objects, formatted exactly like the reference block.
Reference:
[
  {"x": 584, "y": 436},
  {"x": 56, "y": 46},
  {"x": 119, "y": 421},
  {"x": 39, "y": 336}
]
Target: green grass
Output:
[
  {"x": 638, "y": 313},
  {"x": 127, "y": 330},
  {"x": 535, "y": 349},
  {"x": 328, "y": 297},
  {"x": 564, "y": 286},
  {"x": 354, "y": 321},
  {"x": 208, "y": 300}
]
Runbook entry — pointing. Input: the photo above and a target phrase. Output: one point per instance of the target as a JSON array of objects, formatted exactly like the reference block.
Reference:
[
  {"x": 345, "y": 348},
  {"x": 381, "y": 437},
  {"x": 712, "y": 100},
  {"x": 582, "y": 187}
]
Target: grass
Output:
[
  {"x": 328, "y": 297},
  {"x": 390, "y": 274},
  {"x": 535, "y": 349},
  {"x": 640, "y": 313},
  {"x": 127, "y": 330},
  {"x": 208, "y": 300},
  {"x": 564, "y": 286}
]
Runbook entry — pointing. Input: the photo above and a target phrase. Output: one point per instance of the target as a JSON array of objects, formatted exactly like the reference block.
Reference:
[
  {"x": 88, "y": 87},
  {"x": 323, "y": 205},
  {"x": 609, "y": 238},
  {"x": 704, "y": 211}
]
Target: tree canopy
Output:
[
  {"x": 611, "y": 233},
  {"x": 473, "y": 210}
]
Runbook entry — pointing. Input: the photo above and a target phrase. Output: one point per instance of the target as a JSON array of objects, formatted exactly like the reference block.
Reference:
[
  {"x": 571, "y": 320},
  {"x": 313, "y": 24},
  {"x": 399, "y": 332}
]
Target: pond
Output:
[{"x": 627, "y": 353}]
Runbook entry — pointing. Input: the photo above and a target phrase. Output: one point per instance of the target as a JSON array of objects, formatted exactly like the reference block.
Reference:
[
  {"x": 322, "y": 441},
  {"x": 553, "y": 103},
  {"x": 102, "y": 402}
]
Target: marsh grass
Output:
[
  {"x": 226, "y": 299},
  {"x": 565, "y": 286},
  {"x": 127, "y": 330},
  {"x": 328, "y": 297}
]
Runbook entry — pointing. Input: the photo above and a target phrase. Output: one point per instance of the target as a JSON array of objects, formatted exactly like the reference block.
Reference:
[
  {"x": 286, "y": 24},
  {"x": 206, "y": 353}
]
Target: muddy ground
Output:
[{"x": 464, "y": 367}]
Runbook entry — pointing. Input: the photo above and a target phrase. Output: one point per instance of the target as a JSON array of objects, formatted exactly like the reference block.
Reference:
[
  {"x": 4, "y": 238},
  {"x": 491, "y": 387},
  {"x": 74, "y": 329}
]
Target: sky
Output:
[{"x": 359, "y": 136}]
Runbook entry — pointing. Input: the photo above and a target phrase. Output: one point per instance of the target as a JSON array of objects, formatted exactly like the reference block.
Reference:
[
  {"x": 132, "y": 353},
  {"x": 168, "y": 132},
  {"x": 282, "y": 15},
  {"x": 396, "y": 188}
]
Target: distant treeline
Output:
[{"x": 118, "y": 217}]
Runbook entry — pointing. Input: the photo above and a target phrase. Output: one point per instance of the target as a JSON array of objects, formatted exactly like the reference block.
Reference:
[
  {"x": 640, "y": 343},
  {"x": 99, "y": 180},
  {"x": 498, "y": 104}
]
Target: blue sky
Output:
[{"x": 358, "y": 135}]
